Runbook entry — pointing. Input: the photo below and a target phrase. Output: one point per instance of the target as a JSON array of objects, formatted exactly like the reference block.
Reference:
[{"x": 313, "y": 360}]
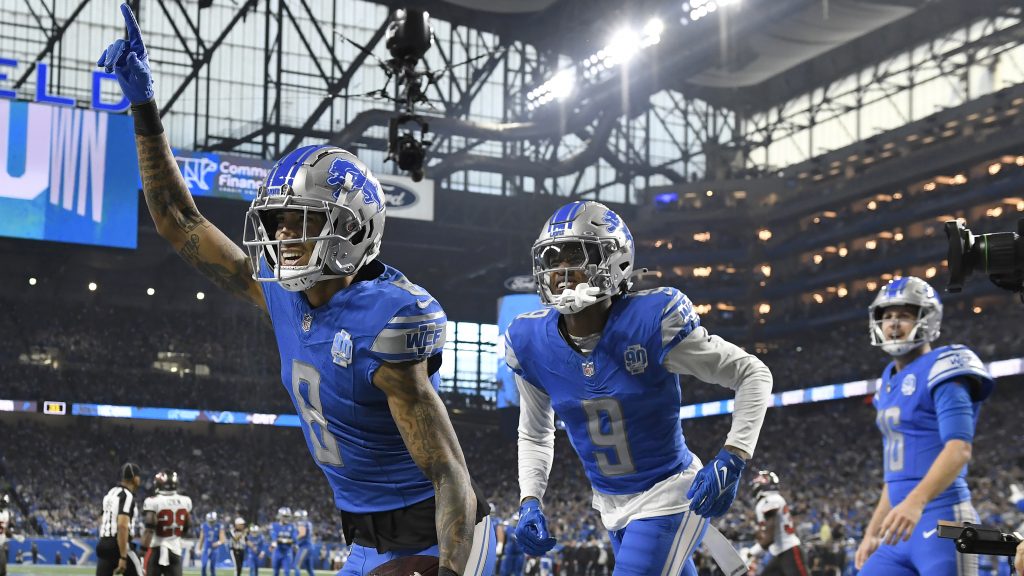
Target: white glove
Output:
[
  {"x": 572, "y": 300},
  {"x": 1016, "y": 494}
]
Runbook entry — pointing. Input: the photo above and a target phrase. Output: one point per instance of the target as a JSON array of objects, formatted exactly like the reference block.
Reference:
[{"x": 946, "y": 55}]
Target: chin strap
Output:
[{"x": 572, "y": 300}]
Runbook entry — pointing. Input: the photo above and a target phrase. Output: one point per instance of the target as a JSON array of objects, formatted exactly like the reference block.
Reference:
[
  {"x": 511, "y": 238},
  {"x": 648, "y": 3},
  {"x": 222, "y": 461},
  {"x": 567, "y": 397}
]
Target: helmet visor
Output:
[{"x": 570, "y": 253}]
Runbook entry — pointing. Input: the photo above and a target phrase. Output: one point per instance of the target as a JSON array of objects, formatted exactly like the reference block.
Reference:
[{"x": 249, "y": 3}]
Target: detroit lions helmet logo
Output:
[
  {"x": 612, "y": 220},
  {"x": 343, "y": 175}
]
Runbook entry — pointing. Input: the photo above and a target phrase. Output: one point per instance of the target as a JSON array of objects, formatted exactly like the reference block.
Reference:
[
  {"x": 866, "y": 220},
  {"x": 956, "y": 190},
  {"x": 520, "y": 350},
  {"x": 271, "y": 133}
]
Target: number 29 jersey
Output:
[
  {"x": 909, "y": 423},
  {"x": 329, "y": 355},
  {"x": 171, "y": 513},
  {"x": 619, "y": 404}
]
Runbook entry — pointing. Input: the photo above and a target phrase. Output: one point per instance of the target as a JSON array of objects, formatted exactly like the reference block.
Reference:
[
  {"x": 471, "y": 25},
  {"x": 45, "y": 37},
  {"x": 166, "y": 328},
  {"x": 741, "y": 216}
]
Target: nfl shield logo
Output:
[
  {"x": 341, "y": 349},
  {"x": 307, "y": 322},
  {"x": 636, "y": 359},
  {"x": 908, "y": 385},
  {"x": 588, "y": 369}
]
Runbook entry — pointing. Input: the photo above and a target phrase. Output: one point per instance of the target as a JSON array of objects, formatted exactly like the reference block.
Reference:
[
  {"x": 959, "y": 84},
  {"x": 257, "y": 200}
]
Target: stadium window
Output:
[{"x": 469, "y": 361}]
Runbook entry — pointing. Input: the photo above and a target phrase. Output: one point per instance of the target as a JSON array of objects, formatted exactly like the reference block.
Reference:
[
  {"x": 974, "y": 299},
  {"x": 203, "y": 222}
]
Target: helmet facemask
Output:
[
  {"x": 914, "y": 338},
  {"x": 333, "y": 242},
  {"x": 907, "y": 291},
  {"x": 556, "y": 259}
]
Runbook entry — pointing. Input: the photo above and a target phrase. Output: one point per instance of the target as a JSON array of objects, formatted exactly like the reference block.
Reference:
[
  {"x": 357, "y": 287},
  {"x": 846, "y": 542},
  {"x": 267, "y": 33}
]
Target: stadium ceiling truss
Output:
[
  {"x": 261, "y": 77},
  {"x": 306, "y": 90},
  {"x": 949, "y": 61}
]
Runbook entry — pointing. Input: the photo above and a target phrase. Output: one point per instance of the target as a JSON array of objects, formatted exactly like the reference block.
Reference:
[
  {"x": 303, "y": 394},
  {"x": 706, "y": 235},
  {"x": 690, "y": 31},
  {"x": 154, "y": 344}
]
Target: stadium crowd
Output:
[
  {"x": 47, "y": 358},
  {"x": 827, "y": 455}
]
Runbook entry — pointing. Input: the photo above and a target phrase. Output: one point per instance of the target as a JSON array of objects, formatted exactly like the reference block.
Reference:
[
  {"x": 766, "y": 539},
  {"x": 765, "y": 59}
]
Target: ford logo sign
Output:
[
  {"x": 521, "y": 283},
  {"x": 398, "y": 197}
]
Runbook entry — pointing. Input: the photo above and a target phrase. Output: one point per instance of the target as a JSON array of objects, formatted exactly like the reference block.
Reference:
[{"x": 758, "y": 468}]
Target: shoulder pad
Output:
[
  {"x": 416, "y": 330},
  {"x": 677, "y": 316},
  {"x": 960, "y": 361}
]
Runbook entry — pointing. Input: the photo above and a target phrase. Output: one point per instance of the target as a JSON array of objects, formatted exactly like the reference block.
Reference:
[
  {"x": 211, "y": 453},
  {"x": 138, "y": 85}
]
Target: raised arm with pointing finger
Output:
[
  {"x": 360, "y": 344},
  {"x": 174, "y": 212}
]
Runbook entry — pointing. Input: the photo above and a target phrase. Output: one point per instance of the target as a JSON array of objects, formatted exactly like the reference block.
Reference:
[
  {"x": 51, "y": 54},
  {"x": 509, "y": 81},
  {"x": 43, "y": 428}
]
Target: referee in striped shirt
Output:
[{"x": 113, "y": 554}]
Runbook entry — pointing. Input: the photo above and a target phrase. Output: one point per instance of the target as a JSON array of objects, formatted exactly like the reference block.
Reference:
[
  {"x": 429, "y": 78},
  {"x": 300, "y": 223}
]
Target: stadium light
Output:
[
  {"x": 764, "y": 235},
  {"x": 92, "y": 286},
  {"x": 32, "y": 281},
  {"x": 200, "y": 295},
  {"x": 697, "y": 9},
  {"x": 150, "y": 291},
  {"x": 623, "y": 47}
]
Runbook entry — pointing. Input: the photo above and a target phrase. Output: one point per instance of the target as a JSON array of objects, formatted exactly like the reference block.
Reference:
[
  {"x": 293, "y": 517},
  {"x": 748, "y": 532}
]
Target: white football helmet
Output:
[
  {"x": 585, "y": 236},
  {"x": 284, "y": 514},
  {"x": 907, "y": 291},
  {"x": 316, "y": 179}
]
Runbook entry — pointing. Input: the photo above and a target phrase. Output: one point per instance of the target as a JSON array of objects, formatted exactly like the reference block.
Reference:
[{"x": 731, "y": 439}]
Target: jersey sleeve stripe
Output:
[
  {"x": 672, "y": 304},
  {"x": 398, "y": 321}
]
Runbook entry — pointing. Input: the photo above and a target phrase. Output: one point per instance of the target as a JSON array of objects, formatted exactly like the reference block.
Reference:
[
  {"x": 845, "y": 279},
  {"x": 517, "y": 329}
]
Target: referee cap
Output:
[{"x": 129, "y": 471}]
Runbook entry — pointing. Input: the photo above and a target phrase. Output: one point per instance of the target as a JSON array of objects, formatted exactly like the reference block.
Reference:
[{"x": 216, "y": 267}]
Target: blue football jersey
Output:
[
  {"x": 306, "y": 539},
  {"x": 255, "y": 541},
  {"x": 619, "y": 404},
  {"x": 211, "y": 534},
  {"x": 329, "y": 355},
  {"x": 909, "y": 424},
  {"x": 283, "y": 534}
]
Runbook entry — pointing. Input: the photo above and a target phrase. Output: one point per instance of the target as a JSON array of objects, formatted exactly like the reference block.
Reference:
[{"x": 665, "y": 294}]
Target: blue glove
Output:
[
  {"x": 714, "y": 487},
  {"x": 129, "y": 61},
  {"x": 532, "y": 530}
]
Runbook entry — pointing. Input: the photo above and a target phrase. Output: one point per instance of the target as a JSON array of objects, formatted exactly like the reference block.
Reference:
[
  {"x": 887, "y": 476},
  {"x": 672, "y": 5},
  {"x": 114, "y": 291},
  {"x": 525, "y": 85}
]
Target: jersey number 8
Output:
[{"x": 325, "y": 447}]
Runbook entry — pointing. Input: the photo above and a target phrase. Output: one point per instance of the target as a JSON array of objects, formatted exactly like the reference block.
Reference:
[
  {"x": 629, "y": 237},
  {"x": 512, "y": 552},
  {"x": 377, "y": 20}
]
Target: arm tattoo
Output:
[
  {"x": 430, "y": 438},
  {"x": 234, "y": 278},
  {"x": 177, "y": 219}
]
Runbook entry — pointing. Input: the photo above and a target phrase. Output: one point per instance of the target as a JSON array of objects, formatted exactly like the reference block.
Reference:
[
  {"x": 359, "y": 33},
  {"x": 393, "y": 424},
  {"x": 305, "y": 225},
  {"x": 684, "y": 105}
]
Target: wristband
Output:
[{"x": 147, "y": 119}]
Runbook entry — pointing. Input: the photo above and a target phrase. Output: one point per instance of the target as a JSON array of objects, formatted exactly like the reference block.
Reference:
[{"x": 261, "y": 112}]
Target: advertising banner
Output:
[{"x": 67, "y": 175}]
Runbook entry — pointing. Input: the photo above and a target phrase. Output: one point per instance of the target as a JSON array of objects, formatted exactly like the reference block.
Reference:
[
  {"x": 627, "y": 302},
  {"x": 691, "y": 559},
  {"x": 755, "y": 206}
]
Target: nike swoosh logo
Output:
[
  {"x": 725, "y": 475},
  {"x": 424, "y": 303},
  {"x": 929, "y": 533}
]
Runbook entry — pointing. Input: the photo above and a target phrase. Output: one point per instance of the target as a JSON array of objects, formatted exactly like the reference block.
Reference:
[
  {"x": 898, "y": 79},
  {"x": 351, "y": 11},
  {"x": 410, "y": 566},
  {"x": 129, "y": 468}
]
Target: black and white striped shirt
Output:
[{"x": 119, "y": 500}]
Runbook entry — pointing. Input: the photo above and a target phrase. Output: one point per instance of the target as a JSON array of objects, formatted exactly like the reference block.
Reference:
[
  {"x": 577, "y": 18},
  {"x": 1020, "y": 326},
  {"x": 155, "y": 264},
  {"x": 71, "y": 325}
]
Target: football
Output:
[{"x": 408, "y": 566}]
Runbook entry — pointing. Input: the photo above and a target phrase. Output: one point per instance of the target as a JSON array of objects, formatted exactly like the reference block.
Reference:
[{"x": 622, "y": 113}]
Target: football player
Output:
[
  {"x": 256, "y": 544},
  {"x": 303, "y": 543},
  {"x": 282, "y": 542},
  {"x": 607, "y": 360},
  {"x": 211, "y": 538},
  {"x": 238, "y": 542},
  {"x": 512, "y": 558},
  {"x": 927, "y": 403},
  {"x": 5, "y": 531},
  {"x": 167, "y": 516},
  {"x": 360, "y": 344},
  {"x": 775, "y": 530}
]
